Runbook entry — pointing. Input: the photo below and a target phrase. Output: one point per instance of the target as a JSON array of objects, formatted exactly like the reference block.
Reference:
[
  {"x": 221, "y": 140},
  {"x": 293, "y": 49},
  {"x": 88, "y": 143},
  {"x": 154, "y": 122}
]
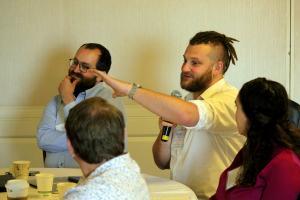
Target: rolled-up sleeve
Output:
[{"x": 205, "y": 118}]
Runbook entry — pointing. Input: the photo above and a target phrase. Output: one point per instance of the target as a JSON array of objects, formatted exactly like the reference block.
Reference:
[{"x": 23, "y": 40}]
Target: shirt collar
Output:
[
  {"x": 90, "y": 92},
  {"x": 115, "y": 162},
  {"x": 215, "y": 88}
]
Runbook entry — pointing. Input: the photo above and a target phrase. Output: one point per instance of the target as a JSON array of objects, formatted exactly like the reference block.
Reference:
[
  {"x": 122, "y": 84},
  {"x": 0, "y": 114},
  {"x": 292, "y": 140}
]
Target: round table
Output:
[{"x": 160, "y": 188}]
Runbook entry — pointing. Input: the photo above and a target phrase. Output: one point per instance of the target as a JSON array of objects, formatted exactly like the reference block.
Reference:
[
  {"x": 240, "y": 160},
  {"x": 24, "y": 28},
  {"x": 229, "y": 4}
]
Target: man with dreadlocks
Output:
[{"x": 205, "y": 140}]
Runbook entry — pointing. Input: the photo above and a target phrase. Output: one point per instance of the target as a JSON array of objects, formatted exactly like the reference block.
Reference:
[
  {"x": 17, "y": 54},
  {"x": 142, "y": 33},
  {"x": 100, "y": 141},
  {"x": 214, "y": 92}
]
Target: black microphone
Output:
[{"x": 167, "y": 129}]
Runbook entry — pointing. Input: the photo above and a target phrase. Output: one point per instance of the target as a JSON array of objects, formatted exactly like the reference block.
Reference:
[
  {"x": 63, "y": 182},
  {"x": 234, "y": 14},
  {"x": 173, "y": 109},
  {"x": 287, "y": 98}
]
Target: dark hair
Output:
[
  {"x": 265, "y": 104},
  {"x": 215, "y": 38},
  {"x": 95, "y": 129},
  {"x": 104, "y": 61}
]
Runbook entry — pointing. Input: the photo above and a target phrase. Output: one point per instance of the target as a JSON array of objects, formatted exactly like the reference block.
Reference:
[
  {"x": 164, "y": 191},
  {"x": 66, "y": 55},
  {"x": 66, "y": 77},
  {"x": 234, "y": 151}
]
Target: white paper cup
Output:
[
  {"x": 63, "y": 187},
  {"x": 44, "y": 183},
  {"x": 20, "y": 169},
  {"x": 17, "y": 189}
]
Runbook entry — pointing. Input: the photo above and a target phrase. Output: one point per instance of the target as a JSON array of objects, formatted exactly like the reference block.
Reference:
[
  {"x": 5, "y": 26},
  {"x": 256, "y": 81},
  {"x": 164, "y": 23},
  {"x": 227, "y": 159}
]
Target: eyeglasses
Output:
[{"x": 83, "y": 67}]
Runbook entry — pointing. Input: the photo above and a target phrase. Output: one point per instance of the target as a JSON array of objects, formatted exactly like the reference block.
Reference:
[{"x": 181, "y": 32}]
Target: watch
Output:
[{"x": 133, "y": 90}]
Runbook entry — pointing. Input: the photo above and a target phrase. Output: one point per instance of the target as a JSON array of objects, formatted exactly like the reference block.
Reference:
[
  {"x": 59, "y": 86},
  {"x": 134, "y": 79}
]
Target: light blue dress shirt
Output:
[{"x": 51, "y": 134}]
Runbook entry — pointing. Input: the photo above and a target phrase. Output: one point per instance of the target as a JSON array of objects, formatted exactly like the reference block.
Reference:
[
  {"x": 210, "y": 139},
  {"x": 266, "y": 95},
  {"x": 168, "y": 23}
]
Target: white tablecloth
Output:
[{"x": 160, "y": 188}]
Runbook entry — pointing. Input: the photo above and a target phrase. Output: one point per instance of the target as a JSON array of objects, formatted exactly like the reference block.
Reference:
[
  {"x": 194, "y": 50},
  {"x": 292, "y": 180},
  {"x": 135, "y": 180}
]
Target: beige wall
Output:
[
  {"x": 147, "y": 40},
  {"x": 295, "y": 70}
]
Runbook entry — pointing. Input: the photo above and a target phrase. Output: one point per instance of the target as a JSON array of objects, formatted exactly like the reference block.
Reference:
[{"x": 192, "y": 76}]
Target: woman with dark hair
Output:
[{"x": 268, "y": 166}]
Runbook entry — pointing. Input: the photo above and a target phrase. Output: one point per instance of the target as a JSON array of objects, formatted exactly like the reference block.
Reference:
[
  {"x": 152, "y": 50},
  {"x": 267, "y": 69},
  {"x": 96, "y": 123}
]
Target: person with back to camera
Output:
[
  {"x": 95, "y": 139},
  {"x": 78, "y": 85},
  {"x": 206, "y": 140},
  {"x": 268, "y": 166}
]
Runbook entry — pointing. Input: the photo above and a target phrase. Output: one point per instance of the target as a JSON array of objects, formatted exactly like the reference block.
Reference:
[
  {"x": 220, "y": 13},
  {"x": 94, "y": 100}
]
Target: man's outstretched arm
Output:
[{"x": 170, "y": 108}]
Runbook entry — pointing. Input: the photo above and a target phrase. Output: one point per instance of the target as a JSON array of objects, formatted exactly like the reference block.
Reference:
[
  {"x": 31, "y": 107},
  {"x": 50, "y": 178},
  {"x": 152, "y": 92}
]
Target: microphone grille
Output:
[{"x": 176, "y": 93}]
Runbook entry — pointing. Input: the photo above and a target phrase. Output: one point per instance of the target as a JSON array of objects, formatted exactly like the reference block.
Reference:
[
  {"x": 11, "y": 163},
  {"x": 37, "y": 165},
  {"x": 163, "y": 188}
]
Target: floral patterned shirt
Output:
[{"x": 118, "y": 178}]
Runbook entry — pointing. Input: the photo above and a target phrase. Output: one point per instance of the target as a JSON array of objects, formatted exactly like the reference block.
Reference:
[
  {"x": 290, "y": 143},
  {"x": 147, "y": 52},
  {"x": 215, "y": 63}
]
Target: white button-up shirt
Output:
[{"x": 200, "y": 154}]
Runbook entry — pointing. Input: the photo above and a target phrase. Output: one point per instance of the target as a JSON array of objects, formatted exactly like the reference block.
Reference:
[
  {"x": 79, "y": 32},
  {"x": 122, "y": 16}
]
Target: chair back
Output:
[{"x": 294, "y": 113}]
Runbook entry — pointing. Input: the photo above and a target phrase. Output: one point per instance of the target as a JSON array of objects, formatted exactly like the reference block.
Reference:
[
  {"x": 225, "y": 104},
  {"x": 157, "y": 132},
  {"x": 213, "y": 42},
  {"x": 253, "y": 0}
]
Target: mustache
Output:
[
  {"x": 183, "y": 74},
  {"x": 76, "y": 75}
]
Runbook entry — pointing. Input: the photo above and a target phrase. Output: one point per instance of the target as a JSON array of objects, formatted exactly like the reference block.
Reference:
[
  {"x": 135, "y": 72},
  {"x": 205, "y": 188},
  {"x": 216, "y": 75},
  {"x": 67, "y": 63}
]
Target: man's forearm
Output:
[
  {"x": 162, "y": 152},
  {"x": 169, "y": 108},
  {"x": 51, "y": 140}
]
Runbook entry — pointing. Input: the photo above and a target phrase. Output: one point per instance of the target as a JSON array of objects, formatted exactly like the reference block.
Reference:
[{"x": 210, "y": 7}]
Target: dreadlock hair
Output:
[
  {"x": 215, "y": 38},
  {"x": 265, "y": 104}
]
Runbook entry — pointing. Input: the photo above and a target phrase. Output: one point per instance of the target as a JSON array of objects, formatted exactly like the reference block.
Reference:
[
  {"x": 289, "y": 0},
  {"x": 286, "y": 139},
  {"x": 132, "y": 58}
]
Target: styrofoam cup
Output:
[
  {"x": 17, "y": 189},
  {"x": 44, "y": 183},
  {"x": 63, "y": 187}
]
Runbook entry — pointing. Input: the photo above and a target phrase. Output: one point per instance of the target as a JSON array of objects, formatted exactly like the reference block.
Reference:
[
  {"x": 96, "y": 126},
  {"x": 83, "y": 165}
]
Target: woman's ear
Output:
[{"x": 70, "y": 148}]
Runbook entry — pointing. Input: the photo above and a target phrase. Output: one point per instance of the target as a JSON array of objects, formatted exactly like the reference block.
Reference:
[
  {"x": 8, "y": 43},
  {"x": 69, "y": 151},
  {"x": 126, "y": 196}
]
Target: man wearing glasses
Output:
[{"x": 78, "y": 85}]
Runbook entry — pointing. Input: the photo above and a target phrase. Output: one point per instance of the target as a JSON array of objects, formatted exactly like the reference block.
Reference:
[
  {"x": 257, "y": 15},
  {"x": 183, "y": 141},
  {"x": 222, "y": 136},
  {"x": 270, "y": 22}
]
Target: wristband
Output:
[{"x": 133, "y": 90}]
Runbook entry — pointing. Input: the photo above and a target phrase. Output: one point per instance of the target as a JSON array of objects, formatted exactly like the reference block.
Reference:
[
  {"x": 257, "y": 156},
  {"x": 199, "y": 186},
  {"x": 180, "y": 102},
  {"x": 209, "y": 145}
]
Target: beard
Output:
[
  {"x": 196, "y": 84},
  {"x": 83, "y": 84}
]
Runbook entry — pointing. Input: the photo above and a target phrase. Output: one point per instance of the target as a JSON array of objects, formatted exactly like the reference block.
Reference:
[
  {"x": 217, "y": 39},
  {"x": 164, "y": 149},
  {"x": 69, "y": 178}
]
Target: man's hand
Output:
[
  {"x": 162, "y": 123},
  {"x": 120, "y": 88},
  {"x": 66, "y": 89}
]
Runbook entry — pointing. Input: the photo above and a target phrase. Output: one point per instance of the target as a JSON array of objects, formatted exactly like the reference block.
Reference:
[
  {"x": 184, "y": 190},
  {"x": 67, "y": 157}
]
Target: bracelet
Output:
[{"x": 133, "y": 90}]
